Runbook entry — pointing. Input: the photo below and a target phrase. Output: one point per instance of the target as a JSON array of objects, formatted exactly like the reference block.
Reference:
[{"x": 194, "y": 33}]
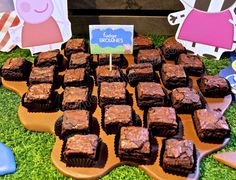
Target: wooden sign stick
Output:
[{"x": 110, "y": 62}]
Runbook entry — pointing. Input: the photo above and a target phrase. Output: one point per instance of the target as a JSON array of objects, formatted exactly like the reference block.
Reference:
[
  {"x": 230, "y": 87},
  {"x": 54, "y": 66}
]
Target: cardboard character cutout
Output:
[
  {"x": 44, "y": 24},
  {"x": 206, "y": 31},
  {"x": 7, "y": 21}
]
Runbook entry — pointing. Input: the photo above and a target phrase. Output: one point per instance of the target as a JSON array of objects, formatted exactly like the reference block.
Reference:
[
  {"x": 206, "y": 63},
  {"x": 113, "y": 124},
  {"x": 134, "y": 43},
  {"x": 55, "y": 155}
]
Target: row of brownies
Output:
[{"x": 81, "y": 147}]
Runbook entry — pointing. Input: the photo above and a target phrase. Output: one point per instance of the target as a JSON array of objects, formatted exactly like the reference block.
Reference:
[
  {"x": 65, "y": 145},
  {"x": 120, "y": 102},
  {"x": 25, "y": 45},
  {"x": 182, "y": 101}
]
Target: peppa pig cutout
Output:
[
  {"x": 7, "y": 21},
  {"x": 206, "y": 28},
  {"x": 44, "y": 24}
]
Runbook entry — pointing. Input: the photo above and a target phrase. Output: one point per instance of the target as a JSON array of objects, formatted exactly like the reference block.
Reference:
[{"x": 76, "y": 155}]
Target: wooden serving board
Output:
[{"x": 44, "y": 122}]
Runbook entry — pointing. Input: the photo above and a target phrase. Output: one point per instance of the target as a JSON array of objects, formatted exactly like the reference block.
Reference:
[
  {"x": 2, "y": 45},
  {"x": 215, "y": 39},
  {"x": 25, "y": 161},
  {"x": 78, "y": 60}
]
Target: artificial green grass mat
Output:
[{"x": 32, "y": 150}]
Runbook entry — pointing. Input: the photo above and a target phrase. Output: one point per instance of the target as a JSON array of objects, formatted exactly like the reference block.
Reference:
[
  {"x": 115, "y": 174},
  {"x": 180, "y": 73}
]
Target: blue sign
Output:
[
  {"x": 230, "y": 73},
  {"x": 111, "y": 39}
]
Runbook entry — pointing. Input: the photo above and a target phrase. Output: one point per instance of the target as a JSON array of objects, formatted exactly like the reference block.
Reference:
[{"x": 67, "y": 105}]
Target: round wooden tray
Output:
[{"x": 44, "y": 122}]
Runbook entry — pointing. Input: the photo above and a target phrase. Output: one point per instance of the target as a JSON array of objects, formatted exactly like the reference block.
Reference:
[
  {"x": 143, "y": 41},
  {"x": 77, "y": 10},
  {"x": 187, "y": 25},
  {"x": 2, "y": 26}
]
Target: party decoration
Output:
[
  {"x": 44, "y": 24},
  {"x": 230, "y": 74},
  {"x": 7, "y": 161},
  {"x": 208, "y": 31},
  {"x": 7, "y": 20},
  {"x": 111, "y": 39}
]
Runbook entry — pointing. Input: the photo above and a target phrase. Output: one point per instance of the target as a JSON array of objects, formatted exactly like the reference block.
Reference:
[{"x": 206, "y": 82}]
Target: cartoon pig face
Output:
[{"x": 34, "y": 11}]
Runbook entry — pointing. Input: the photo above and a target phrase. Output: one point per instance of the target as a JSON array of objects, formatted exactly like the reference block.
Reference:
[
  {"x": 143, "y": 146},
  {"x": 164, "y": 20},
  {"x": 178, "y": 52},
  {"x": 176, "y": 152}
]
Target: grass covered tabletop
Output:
[{"x": 32, "y": 150}]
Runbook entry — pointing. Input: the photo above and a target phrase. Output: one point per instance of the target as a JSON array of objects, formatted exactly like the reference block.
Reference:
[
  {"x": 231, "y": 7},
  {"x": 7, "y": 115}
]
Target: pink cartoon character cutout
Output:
[
  {"x": 44, "y": 24},
  {"x": 206, "y": 33}
]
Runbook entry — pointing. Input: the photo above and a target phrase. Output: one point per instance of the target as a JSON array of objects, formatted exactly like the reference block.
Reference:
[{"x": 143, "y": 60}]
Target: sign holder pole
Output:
[{"x": 110, "y": 62}]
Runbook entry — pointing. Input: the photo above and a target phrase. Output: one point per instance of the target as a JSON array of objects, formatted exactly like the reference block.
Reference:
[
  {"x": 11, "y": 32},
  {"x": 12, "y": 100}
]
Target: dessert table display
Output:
[{"x": 150, "y": 111}]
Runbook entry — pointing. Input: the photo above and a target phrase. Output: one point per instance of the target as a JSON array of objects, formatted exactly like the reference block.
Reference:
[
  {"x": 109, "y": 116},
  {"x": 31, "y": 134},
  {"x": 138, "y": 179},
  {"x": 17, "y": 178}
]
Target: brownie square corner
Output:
[
  {"x": 49, "y": 58},
  {"x": 80, "y": 60},
  {"x": 149, "y": 94},
  {"x": 142, "y": 42},
  {"x": 117, "y": 116},
  {"x": 186, "y": 100},
  {"x": 162, "y": 121},
  {"x": 192, "y": 64},
  {"x": 211, "y": 125},
  {"x": 134, "y": 144},
  {"x": 40, "y": 75},
  {"x": 112, "y": 93},
  {"x": 172, "y": 49},
  {"x": 75, "y": 77},
  {"x": 103, "y": 74},
  {"x": 153, "y": 56},
  {"x": 39, "y": 97},
  {"x": 74, "y": 46},
  {"x": 214, "y": 86},
  {"x": 81, "y": 150},
  {"x": 173, "y": 76},
  {"x": 75, "y": 121},
  {"x": 75, "y": 98},
  {"x": 140, "y": 73},
  {"x": 16, "y": 69},
  {"x": 179, "y": 156}
]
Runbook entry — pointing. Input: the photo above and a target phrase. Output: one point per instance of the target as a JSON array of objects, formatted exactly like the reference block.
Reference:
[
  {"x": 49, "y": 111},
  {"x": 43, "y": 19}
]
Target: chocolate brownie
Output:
[
  {"x": 153, "y": 56},
  {"x": 141, "y": 42},
  {"x": 150, "y": 94},
  {"x": 81, "y": 150},
  {"x": 75, "y": 121},
  {"x": 16, "y": 69},
  {"x": 112, "y": 93},
  {"x": 210, "y": 125},
  {"x": 179, "y": 156},
  {"x": 173, "y": 76},
  {"x": 192, "y": 64},
  {"x": 116, "y": 116},
  {"x": 103, "y": 74},
  {"x": 186, "y": 100},
  {"x": 75, "y": 98},
  {"x": 162, "y": 121},
  {"x": 134, "y": 144},
  {"x": 214, "y": 86},
  {"x": 172, "y": 49},
  {"x": 75, "y": 77},
  {"x": 74, "y": 46},
  {"x": 103, "y": 59},
  {"x": 49, "y": 58},
  {"x": 140, "y": 73},
  {"x": 80, "y": 60},
  {"x": 40, "y": 75},
  {"x": 39, "y": 97}
]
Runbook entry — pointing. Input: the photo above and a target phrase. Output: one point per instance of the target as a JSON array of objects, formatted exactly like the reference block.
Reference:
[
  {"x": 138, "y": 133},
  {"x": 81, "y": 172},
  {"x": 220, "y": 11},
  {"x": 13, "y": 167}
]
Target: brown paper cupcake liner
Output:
[
  {"x": 48, "y": 106},
  {"x": 133, "y": 159},
  {"x": 75, "y": 161},
  {"x": 180, "y": 171},
  {"x": 87, "y": 105}
]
